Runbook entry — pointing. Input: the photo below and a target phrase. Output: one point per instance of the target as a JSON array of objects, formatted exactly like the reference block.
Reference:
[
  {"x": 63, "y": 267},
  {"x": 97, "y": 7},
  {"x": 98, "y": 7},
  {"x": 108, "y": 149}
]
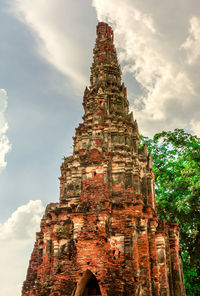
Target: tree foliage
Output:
[{"x": 176, "y": 163}]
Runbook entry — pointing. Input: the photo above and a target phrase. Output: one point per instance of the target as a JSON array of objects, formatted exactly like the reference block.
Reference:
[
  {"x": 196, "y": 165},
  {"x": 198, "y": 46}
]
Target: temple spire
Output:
[
  {"x": 105, "y": 68},
  {"x": 104, "y": 237},
  {"x": 106, "y": 95}
]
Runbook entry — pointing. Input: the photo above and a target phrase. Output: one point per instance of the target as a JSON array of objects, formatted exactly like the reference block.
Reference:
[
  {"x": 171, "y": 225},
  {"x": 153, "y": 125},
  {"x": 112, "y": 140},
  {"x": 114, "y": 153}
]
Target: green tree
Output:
[{"x": 176, "y": 163}]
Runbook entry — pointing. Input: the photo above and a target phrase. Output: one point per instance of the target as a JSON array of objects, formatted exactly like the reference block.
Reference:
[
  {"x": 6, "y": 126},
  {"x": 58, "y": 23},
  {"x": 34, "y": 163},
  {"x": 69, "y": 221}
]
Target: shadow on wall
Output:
[{"x": 87, "y": 285}]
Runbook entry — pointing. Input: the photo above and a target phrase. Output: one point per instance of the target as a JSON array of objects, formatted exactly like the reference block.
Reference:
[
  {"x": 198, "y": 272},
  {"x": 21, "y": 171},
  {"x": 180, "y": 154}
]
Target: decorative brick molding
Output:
[{"x": 104, "y": 236}]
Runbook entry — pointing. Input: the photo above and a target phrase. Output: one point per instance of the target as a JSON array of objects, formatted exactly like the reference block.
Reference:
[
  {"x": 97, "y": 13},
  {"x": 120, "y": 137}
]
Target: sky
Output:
[{"x": 45, "y": 58}]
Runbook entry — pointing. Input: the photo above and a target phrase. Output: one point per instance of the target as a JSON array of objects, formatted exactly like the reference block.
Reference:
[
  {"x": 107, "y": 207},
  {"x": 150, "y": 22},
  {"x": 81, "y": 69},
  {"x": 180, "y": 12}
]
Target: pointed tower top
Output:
[
  {"x": 104, "y": 30},
  {"x": 105, "y": 67}
]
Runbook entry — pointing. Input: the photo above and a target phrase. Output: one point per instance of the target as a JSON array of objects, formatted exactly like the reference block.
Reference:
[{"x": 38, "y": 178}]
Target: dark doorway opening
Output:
[
  {"x": 92, "y": 287},
  {"x": 87, "y": 285}
]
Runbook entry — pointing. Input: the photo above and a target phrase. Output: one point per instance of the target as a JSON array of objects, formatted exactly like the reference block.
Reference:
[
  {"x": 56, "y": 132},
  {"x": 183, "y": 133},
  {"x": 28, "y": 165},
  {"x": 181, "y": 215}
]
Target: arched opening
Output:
[
  {"x": 92, "y": 287},
  {"x": 88, "y": 285}
]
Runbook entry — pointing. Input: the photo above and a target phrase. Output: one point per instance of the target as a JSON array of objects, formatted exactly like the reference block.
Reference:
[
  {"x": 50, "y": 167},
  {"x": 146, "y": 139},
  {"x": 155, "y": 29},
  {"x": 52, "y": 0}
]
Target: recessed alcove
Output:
[{"x": 88, "y": 285}]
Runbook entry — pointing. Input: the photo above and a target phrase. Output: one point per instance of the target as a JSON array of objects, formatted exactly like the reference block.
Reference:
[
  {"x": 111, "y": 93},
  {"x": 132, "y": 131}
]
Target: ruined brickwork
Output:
[{"x": 104, "y": 237}]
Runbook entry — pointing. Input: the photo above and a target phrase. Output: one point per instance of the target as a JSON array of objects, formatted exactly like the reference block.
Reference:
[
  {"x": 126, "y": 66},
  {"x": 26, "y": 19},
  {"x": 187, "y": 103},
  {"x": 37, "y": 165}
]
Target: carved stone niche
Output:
[
  {"x": 136, "y": 184},
  {"x": 114, "y": 138},
  {"x": 149, "y": 186},
  {"x": 144, "y": 186},
  {"x": 40, "y": 253},
  {"x": 141, "y": 225},
  {"x": 128, "y": 247},
  {"x": 74, "y": 188},
  {"x": 64, "y": 197},
  {"x": 63, "y": 247},
  {"x": 49, "y": 248},
  {"x": 121, "y": 139},
  {"x": 128, "y": 180},
  {"x": 117, "y": 179},
  {"x": 161, "y": 256},
  {"x": 127, "y": 140}
]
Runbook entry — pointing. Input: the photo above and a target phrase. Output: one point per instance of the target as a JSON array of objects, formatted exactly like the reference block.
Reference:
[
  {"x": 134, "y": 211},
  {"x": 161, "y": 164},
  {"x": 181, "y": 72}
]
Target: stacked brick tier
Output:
[{"x": 104, "y": 237}]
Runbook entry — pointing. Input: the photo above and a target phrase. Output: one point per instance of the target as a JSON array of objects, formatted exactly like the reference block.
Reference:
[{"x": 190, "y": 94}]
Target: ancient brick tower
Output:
[{"x": 104, "y": 236}]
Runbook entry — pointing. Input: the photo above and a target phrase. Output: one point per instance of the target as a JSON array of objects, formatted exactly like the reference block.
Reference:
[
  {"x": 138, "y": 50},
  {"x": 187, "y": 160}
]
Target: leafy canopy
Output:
[{"x": 176, "y": 163}]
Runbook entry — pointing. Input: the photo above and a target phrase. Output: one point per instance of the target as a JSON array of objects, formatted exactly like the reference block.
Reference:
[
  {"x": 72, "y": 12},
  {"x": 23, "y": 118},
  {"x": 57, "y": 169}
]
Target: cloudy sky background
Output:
[{"x": 46, "y": 54}]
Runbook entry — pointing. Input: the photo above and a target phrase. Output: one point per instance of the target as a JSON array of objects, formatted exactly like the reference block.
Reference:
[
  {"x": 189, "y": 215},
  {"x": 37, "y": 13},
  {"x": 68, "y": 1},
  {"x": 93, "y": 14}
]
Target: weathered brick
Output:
[{"x": 104, "y": 236}]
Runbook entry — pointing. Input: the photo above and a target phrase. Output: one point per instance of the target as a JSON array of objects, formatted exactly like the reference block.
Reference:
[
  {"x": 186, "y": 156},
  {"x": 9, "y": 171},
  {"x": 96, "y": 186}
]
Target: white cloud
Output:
[
  {"x": 58, "y": 41},
  {"x": 23, "y": 223},
  {"x": 154, "y": 48},
  {"x": 17, "y": 236},
  {"x": 192, "y": 43},
  {"x": 150, "y": 47},
  {"x": 195, "y": 127},
  {"x": 4, "y": 142}
]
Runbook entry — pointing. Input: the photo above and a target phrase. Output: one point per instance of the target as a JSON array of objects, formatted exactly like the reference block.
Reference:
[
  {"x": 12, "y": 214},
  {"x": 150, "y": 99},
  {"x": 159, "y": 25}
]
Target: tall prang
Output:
[{"x": 104, "y": 236}]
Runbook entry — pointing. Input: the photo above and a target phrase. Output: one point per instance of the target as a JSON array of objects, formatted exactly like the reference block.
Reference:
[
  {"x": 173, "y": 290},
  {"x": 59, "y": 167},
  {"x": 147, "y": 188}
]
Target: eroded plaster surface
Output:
[{"x": 104, "y": 235}]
